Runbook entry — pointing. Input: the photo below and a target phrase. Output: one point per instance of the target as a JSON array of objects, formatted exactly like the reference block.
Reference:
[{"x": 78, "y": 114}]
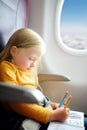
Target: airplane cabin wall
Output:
[{"x": 55, "y": 60}]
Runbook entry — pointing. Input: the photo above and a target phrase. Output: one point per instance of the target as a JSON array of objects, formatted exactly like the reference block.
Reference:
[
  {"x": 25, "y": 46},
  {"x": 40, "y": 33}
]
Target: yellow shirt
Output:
[{"x": 10, "y": 74}]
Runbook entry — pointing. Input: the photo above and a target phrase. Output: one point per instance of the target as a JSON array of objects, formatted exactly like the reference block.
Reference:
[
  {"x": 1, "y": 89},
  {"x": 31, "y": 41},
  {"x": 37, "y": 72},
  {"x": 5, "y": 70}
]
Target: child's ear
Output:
[{"x": 13, "y": 50}]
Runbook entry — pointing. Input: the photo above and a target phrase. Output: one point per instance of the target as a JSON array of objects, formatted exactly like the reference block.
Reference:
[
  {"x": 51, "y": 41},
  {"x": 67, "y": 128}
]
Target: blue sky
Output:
[
  {"x": 73, "y": 23},
  {"x": 74, "y": 14}
]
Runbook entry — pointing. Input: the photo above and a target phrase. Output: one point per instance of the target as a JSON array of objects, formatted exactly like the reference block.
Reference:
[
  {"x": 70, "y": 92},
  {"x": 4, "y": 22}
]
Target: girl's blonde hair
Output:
[{"x": 22, "y": 38}]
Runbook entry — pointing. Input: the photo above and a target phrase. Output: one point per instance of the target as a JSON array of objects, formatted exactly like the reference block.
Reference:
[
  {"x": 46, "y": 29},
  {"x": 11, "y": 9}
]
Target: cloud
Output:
[{"x": 75, "y": 40}]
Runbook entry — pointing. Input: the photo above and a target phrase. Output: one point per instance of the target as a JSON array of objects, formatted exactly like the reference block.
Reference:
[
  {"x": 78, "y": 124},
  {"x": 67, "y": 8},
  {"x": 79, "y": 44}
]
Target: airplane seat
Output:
[{"x": 13, "y": 15}]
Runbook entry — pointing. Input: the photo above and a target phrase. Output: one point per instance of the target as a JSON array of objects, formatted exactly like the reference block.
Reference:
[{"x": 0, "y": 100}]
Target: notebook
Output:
[{"x": 74, "y": 122}]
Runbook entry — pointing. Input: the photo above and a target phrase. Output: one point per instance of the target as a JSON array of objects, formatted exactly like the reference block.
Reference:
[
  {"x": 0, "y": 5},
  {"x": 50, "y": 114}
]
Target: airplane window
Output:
[{"x": 71, "y": 25}]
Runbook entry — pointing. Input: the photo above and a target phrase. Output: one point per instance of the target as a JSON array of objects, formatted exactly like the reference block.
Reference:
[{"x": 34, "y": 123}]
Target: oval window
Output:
[{"x": 71, "y": 25}]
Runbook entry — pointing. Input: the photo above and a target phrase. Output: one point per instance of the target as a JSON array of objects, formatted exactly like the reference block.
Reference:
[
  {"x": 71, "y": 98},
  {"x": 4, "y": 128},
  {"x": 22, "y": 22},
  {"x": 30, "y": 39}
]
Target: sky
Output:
[
  {"x": 73, "y": 23},
  {"x": 74, "y": 14}
]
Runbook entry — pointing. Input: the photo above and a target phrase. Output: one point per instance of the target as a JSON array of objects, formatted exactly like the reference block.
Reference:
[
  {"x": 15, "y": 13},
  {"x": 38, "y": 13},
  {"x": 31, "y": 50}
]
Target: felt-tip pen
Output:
[
  {"x": 64, "y": 99},
  {"x": 68, "y": 101}
]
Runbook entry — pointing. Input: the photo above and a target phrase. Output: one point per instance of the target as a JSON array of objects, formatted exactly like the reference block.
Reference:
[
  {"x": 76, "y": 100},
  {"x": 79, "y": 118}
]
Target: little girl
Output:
[{"x": 18, "y": 66}]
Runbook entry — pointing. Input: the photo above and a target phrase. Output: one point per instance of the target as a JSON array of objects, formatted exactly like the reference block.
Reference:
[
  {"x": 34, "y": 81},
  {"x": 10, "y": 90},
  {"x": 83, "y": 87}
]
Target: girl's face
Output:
[{"x": 25, "y": 58}]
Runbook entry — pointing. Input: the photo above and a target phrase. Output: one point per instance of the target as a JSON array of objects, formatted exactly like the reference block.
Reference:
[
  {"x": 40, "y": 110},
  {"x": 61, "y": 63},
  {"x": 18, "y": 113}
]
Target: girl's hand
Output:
[
  {"x": 54, "y": 105},
  {"x": 60, "y": 114}
]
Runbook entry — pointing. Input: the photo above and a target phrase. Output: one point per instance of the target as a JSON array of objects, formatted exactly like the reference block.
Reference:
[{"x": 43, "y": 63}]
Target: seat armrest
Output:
[
  {"x": 14, "y": 93},
  {"x": 52, "y": 77}
]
